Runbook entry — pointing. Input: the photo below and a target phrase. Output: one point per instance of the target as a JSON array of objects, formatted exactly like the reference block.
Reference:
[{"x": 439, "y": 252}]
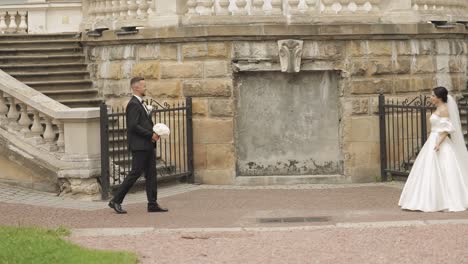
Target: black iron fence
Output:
[
  {"x": 404, "y": 127},
  {"x": 174, "y": 155}
]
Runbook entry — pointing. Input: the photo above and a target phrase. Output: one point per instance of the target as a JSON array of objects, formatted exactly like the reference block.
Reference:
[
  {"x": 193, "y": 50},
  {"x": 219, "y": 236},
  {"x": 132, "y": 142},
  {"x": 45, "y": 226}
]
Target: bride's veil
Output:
[{"x": 457, "y": 136}]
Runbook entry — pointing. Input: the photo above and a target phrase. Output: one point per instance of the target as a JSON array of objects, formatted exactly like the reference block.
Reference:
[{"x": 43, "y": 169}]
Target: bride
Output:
[{"x": 439, "y": 177}]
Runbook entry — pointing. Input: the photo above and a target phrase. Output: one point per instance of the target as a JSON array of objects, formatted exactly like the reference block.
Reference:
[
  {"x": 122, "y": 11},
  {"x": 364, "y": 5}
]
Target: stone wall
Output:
[{"x": 208, "y": 70}]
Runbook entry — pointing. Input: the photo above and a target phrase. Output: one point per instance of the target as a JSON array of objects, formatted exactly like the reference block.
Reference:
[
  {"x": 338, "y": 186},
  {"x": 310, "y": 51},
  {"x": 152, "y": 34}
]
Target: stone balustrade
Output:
[
  {"x": 114, "y": 14},
  {"x": 38, "y": 127},
  {"x": 13, "y": 21}
]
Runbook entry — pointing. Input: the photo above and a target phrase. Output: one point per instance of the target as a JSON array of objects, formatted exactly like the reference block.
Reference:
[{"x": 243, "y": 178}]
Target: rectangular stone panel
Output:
[{"x": 287, "y": 124}]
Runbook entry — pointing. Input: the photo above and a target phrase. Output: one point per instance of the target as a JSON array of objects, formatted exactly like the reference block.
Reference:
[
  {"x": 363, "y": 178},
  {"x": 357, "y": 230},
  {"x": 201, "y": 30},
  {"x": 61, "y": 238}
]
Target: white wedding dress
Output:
[{"x": 439, "y": 180}]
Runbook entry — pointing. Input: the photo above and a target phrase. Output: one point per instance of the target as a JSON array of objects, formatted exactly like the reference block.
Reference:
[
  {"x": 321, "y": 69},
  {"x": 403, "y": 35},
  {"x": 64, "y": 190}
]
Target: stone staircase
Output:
[{"x": 53, "y": 64}]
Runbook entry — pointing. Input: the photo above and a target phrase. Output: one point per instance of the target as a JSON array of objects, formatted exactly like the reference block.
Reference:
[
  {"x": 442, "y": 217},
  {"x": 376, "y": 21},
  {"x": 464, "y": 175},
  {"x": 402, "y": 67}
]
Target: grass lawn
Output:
[{"x": 35, "y": 245}]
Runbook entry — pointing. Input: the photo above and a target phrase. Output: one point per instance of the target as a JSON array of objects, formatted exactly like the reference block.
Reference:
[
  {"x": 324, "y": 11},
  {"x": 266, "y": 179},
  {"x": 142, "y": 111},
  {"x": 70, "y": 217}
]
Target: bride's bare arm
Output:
[{"x": 443, "y": 112}]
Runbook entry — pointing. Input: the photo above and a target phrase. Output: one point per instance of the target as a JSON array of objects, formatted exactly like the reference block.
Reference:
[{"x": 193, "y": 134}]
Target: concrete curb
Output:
[{"x": 94, "y": 232}]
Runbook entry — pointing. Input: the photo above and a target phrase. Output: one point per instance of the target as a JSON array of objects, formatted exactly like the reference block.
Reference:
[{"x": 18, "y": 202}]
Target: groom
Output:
[{"x": 142, "y": 144}]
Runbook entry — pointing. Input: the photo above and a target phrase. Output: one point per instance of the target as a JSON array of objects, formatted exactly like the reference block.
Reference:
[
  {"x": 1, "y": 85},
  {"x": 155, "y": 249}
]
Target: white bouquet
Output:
[{"x": 162, "y": 130}]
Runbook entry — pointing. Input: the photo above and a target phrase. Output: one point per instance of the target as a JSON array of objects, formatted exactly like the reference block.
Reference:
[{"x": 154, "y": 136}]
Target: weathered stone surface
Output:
[
  {"x": 171, "y": 70},
  {"x": 148, "y": 52},
  {"x": 208, "y": 88},
  {"x": 356, "y": 48},
  {"x": 213, "y": 131},
  {"x": 423, "y": 64},
  {"x": 199, "y": 156},
  {"x": 84, "y": 186},
  {"x": 328, "y": 50},
  {"x": 199, "y": 106},
  {"x": 381, "y": 66},
  {"x": 115, "y": 87},
  {"x": 217, "y": 69},
  {"x": 221, "y": 108},
  {"x": 168, "y": 51},
  {"x": 110, "y": 70},
  {"x": 360, "y": 153},
  {"x": 122, "y": 52},
  {"x": 403, "y": 47},
  {"x": 457, "y": 64},
  {"x": 220, "y": 156},
  {"x": 381, "y": 47},
  {"x": 360, "y": 67},
  {"x": 218, "y": 50},
  {"x": 371, "y": 86},
  {"x": 405, "y": 85},
  {"x": 164, "y": 88},
  {"x": 357, "y": 106},
  {"x": 147, "y": 69},
  {"x": 195, "y": 50},
  {"x": 217, "y": 177},
  {"x": 241, "y": 49}
]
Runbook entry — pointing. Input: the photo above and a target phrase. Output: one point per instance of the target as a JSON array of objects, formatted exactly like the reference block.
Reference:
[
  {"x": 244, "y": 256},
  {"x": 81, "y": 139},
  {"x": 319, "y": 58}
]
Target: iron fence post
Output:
[
  {"x": 188, "y": 103},
  {"x": 423, "y": 121},
  {"x": 104, "y": 121},
  {"x": 383, "y": 138}
]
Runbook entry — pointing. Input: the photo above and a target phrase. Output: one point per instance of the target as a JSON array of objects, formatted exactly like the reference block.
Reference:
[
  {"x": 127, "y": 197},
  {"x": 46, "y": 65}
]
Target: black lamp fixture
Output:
[
  {"x": 97, "y": 32},
  {"x": 128, "y": 30}
]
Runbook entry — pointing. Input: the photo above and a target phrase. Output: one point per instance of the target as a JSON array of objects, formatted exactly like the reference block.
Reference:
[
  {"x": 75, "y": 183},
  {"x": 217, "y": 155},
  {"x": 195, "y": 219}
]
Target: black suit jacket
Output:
[{"x": 139, "y": 127}]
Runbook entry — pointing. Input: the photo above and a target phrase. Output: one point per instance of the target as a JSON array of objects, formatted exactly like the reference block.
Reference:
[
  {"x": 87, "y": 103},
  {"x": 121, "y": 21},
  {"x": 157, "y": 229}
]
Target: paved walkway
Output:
[{"x": 354, "y": 223}]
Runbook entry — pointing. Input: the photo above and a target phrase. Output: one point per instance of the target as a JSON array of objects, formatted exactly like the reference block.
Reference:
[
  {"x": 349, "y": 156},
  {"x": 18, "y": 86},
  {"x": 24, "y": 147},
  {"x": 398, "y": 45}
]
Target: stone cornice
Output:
[{"x": 276, "y": 32}]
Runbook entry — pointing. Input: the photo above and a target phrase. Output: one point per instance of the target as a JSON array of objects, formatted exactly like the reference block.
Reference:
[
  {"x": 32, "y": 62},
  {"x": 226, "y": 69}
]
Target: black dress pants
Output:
[{"x": 142, "y": 161}]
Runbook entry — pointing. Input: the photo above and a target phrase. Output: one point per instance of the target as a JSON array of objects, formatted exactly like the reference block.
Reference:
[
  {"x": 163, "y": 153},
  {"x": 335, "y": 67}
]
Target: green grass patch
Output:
[{"x": 35, "y": 245}]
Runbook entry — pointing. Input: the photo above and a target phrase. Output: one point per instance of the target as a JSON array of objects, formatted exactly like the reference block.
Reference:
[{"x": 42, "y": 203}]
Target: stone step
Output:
[
  {"x": 70, "y": 66},
  {"x": 58, "y": 94},
  {"x": 50, "y": 76},
  {"x": 63, "y": 43},
  {"x": 42, "y": 59},
  {"x": 49, "y": 36},
  {"x": 41, "y": 51},
  {"x": 82, "y": 102},
  {"x": 59, "y": 83}
]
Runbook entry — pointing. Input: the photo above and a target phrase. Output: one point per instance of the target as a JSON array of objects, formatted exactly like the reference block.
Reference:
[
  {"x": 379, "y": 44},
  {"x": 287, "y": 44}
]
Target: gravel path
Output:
[{"x": 428, "y": 244}]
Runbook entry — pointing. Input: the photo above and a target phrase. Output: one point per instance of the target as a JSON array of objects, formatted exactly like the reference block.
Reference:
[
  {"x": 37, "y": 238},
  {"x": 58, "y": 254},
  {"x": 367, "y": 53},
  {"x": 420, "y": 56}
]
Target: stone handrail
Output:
[
  {"x": 114, "y": 14},
  {"x": 13, "y": 21},
  {"x": 65, "y": 138}
]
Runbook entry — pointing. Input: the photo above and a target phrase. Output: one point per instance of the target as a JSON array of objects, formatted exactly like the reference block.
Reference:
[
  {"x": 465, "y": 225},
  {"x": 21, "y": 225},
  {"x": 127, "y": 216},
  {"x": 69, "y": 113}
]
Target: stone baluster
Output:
[
  {"x": 13, "y": 26},
  {"x": 132, "y": 9},
  {"x": 257, "y": 7},
  {"x": 61, "y": 137},
  {"x": 13, "y": 115},
  {"x": 345, "y": 6},
  {"x": 375, "y": 5},
  {"x": 205, "y": 7},
  {"x": 311, "y": 5},
  {"x": 24, "y": 120},
  {"x": 276, "y": 7},
  {"x": 3, "y": 110},
  {"x": 223, "y": 7},
  {"x": 36, "y": 128},
  {"x": 143, "y": 8},
  {"x": 191, "y": 7},
  {"x": 328, "y": 6},
  {"x": 108, "y": 10},
  {"x": 23, "y": 26},
  {"x": 293, "y": 6},
  {"x": 360, "y": 6},
  {"x": 3, "y": 25},
  {"x": 115, "y": 9},
  {"x": 49, "y": 135},
  {"x": 241, "y": 7},
  {"x": 123, "y": 8}
]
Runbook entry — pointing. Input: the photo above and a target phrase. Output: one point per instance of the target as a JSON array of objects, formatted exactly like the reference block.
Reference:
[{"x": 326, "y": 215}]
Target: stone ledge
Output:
[{"x": 246, "y": 32}]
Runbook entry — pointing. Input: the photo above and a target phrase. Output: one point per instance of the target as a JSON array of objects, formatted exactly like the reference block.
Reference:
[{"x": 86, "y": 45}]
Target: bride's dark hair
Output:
[{"x": 441, "y": 93}]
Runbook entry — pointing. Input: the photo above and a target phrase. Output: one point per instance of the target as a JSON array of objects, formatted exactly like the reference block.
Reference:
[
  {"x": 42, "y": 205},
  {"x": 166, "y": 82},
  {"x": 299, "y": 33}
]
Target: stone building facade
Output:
[{"x": 254, "y": 123}]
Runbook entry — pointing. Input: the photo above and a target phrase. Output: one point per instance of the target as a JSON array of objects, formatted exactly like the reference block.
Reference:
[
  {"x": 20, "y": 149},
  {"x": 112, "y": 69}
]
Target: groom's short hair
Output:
[{"x": 135, "y": 80}]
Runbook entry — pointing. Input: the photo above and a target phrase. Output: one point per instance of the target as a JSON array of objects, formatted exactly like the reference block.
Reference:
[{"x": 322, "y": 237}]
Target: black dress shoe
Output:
[
  {"x": 117, "y": 207},
  {"x": 153, "y": 208}
]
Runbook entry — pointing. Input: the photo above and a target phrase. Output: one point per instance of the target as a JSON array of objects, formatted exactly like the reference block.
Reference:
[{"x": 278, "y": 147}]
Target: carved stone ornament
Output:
[{"x": 290, "y": 53}]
